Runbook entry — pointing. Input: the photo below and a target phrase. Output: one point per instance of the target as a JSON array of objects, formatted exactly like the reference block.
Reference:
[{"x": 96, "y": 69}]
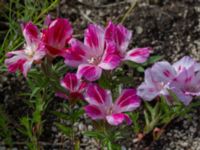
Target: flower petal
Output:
[
  {"x": 119, "y": 34},
  {"x": 151, "y": 88},
  {"x": 56, "y": 36},
  {"x": 70, "y": 82},
  {"x": 31, "y": 33},
  {"x": 147, "y": 92},
  {"x": 138, "y": 55},
  {"x": 89, "y": 72},
  {"x": 97, "y": 96},
  {"x": 127, "y": 101},
  {"x": 186, "y": 99},
  {"x": 185, "y": 63},
  {"x": 26, "y": 67},
  {"x": 111, "y": 58},
  {"x": 163, "y": 72},
  {"x": 94, "y": 38},
  {"x": 94, "y": 112},
  {"x": 116, "y": 119},
  {"x": 76, "y": 54}
]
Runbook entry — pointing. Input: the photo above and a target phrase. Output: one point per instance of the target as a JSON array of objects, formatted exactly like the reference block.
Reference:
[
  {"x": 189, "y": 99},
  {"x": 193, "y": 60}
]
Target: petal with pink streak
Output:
[
  {"x": 94, "y": 112},
  {"x": 94, "y": 38},
  {"x": 138, "y": 55},
  {"x": 186, "y": 99},
  {"x": 127, "y": 101},
  {"x": 98, "y": 96},
  {"x": 76, "y": 54},
  {"x": 89, "y": 72},
  {"x": 111, "y": 58},
  {"x": 31, "y": 33},
  {"x": 82, "y": 86},
  {"x": 70, "y": 82},
  {"x": 117, "y": 119},
  {"x": 147, "y": 91},
  {"x": 56, "y": 36},
  {"x": 163, "y": 72},
  {"x": 15, "y": 65},
  {"x": 185, "y": 63},
  {"x": 26, "y": 67},
  {"x": 119, "y": 34},
  {"x": 184, "y": 79}
]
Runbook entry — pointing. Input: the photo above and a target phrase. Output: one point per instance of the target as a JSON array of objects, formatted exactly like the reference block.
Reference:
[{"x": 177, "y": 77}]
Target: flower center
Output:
[
  {"x": 29, "y": 53},
  {"x": 94, "y": 60}
]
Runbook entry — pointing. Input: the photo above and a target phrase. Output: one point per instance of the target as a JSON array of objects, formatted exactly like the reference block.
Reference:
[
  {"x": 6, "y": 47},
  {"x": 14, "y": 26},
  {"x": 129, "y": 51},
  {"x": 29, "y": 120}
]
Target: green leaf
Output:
[
  {"x": 64, "y": 129},
  {"x": 95, "y": 134}
]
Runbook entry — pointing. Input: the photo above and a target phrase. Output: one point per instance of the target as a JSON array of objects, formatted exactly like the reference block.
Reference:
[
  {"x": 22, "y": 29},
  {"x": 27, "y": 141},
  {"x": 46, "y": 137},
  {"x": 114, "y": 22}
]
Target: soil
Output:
[{"x": 170, "y": 27}]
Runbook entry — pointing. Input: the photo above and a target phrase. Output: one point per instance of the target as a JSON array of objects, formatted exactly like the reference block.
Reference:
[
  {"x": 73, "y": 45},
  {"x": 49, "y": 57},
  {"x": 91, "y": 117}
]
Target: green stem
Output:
[{"x": 133, "y": 4}]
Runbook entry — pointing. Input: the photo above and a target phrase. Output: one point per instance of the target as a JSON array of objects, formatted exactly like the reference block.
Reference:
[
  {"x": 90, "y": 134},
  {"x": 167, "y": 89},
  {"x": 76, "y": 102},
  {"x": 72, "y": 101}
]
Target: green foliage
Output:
[
  {"x": 14, "y": 12},
  {"x": 6, "y": 132},
  {"x": 141, "y": 67},
  {"x": 27, "y": 127},
  {"x": 135, "y": 121}
]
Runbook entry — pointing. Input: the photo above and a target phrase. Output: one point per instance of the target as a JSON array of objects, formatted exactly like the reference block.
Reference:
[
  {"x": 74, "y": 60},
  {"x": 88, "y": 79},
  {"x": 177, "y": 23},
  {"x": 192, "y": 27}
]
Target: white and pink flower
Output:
[
  {"x": 101, "y": 105},
  {"x": 33, "y": 51},
  {"x": 94, "y": 55},
  {"x": 122, "y": 36},
  {"x": 56, "y": 36}
]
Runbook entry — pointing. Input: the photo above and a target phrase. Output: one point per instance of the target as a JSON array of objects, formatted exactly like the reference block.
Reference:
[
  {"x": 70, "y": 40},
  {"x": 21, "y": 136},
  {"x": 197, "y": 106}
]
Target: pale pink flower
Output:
[
  {"x": 101, "y": 105},
  {"x": 33, "y": 51},
  {"x": 157, "y": 80},
  {"x": 56, "y": 36},
  {"x": 182, "y": 78},
  {"x": 186, "y": 85}
]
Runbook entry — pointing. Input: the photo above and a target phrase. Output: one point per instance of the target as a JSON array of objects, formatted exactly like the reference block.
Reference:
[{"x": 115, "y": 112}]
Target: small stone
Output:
[
  {"x": 139, "y": 29},
  {"x": 90, "y": 128},
  {"x": 184, "y": 144}
]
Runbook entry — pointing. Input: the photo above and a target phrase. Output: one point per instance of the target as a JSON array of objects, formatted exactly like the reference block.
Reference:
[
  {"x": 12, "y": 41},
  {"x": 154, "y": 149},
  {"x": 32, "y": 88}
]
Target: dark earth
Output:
[{"x": 170, "y": 27}]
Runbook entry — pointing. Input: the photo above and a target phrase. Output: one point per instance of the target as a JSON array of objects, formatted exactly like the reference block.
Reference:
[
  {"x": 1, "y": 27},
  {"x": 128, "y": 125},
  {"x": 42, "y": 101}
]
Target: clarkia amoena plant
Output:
[{"x": 103, "y": 50}]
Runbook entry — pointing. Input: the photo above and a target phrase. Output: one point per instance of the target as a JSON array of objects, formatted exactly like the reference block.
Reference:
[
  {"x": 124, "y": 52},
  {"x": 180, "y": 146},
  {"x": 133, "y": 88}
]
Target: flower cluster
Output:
[
  {"x": 182, "y": 78},
  {"x": 103, "y": 49}
]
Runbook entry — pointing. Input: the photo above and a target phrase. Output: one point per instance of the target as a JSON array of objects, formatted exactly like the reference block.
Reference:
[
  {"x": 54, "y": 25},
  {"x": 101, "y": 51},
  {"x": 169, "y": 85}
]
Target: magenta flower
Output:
[
  {"x": 73, "y": 85},
  {"x": 122, "y": 36},
  {"x": 56, "y": 36},
  {"x": 101, "y": 105},
  {"x": 182, "y": 78},
  {"x": 94, "y": 55},
  {"x": 33, "y": 51}
]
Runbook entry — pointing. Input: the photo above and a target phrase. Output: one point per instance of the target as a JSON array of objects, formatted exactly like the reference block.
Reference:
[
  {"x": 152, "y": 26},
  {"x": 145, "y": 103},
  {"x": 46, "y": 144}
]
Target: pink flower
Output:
[
  {"x": 122, "y": 36},
  {"x": 73, "y": 85},
  {"x": 56, "y": 36},
  {"x": 33, "y": 51},
  {"x": 157, "y": 80},
  {"x": 182, "y": 78},
  {"x": 187, "y": 83},
  {"x": 94, "y": 55},
  {"x": 101, "y": 105}
]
